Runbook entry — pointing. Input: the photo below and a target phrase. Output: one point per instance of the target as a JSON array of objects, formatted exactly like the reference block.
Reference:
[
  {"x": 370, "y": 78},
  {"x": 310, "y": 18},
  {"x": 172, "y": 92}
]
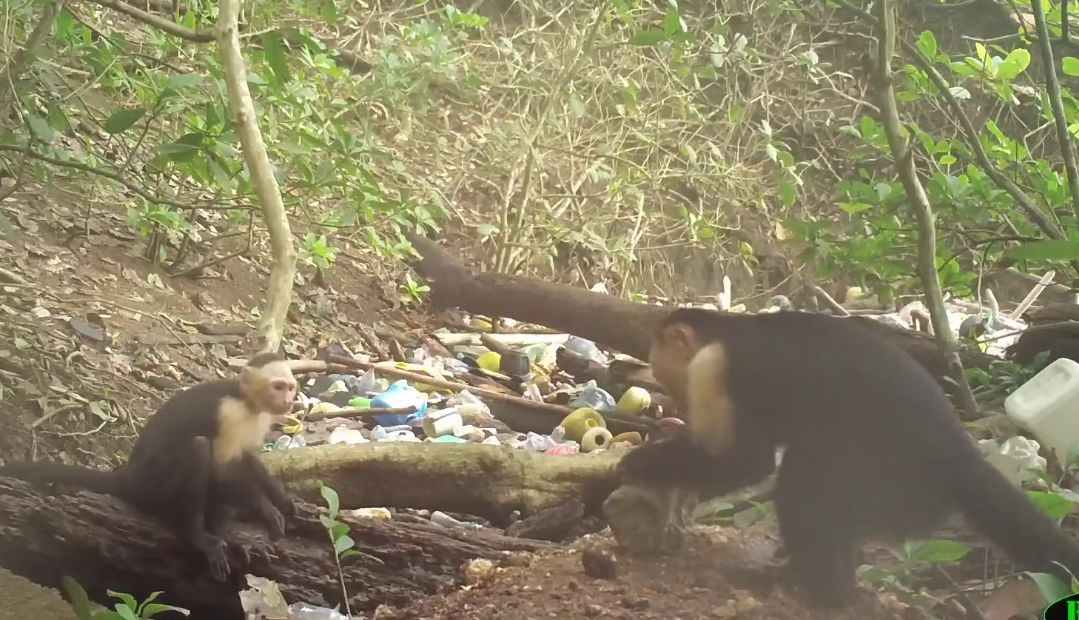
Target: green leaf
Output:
[
  {"x": 1049, "y": 249},
  {"x": 125, "y": 612},
  {"x": 648, "y": 37},
  {"x": 854, "y": 207},
  {"x": 151, "y": 610},
  {"x": 182, "y": 81},
  {"x": 1053, "y": 588},
  {"x": 123, "y": 120},
  {"x": 338, "y": 530},
  {"x": 58, "y": 119},
  {"x": 672, "y": 22},
  {"x": 125, "y": 598},
  {"x": 78, "y": 598},
  {"x": 939, "y": 551},
  {"x": 329, "y": 12},
  {"x": 947, "y": 160},
  {"x": 1070, "y": 65},
  {"x": 343, "y": 544},
  {"x": 332, "y": 501},
  {"x": 787, "y": 192},
  {"x": 927, "y": 43},
  {"x": 41, "y": 128},
  {"x": 1053, "y": 504},
  {"x": 1016, "y": 62},
  {"x": 276, "y": 56}
]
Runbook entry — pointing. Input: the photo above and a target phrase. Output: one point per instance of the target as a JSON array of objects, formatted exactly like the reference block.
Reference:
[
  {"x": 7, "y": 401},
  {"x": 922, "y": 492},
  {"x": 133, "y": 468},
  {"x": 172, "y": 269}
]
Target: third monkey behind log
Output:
[{"x": 873, "y": 448}]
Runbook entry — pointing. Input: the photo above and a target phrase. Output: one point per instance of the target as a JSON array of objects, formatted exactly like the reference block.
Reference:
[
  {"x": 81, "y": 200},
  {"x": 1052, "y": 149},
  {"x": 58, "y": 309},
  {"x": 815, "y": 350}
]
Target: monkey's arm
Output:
[
  {"x": 268, "y": 484},
  {"x": 680, "y": 462}
]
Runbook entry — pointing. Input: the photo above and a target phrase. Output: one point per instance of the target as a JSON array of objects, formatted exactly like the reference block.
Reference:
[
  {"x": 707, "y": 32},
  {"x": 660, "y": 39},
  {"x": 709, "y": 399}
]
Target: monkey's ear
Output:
[
  {"x": 248, "y": 375},
  {"x": 679, "y": 336}
]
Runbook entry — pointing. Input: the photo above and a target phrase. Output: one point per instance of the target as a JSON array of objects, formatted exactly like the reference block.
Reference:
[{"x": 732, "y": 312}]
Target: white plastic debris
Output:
[{"x": 1014, "y": 458}]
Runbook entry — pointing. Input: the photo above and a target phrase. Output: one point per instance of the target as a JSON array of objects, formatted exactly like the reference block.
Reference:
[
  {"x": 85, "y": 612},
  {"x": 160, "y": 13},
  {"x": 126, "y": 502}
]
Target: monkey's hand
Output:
[
  {"x": 652, "y": 461},
  {"x": 271, "y": 517}
]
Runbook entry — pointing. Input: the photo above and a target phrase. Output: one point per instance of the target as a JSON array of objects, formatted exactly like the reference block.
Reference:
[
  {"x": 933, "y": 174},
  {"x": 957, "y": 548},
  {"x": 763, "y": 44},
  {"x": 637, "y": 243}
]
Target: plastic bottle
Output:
[{"x": 1048, "y": 406}]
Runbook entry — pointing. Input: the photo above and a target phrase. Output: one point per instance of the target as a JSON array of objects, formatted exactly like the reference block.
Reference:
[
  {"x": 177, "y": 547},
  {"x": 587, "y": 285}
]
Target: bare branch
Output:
[
  {"x": 165, "y": 25},
  {"x": 279, "y": 288},
  {"x": 919, "y": 202}
]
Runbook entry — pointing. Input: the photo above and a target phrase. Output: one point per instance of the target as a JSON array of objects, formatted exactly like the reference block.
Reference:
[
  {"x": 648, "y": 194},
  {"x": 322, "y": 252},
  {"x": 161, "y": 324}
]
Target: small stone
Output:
[
  {"x": 593, "y": 611},
  {"x": 636, "y": 603},
  {"x": 599, "y": 564}
]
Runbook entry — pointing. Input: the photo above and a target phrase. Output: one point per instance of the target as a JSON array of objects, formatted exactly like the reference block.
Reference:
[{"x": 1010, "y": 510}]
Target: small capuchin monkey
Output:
[
  {"x": 873, "y": 449},
  {"x": 195, "y": 462}
]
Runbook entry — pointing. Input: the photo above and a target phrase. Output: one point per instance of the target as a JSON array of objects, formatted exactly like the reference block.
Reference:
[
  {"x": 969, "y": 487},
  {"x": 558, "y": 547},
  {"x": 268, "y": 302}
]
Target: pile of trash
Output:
[{"x": 378, "y": 406}]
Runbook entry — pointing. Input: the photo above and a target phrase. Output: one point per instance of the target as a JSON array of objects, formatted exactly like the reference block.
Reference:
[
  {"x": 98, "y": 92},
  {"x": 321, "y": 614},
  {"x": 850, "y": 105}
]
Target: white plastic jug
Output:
[{"x": 1048, "y": 406}]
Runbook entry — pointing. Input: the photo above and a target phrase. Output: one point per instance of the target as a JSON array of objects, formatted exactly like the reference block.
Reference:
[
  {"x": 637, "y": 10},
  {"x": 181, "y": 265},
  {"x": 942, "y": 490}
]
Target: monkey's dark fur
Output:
[
  {"x": 171, "y": 473},
  {"x": 873, "y": 449}
]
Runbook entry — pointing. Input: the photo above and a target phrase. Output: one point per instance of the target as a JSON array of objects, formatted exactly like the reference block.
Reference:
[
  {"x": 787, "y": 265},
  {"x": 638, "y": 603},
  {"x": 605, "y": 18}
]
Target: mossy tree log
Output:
[
  {"x": 612, "y": 322},
  {"x": 487, "y": 481},
  {"x": 102, "y": 543}
]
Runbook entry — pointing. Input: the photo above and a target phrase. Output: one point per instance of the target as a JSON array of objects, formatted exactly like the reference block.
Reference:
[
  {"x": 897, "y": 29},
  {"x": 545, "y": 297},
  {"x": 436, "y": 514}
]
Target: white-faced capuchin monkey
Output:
[
  {"x": 195, "y": 462},
  {"x": 873, "y": 449}
]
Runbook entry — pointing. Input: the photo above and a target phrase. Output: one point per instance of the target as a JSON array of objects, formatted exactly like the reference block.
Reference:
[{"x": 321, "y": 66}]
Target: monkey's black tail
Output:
[
  {"x": 38, "y": 472},
  {"x": 1006, "y": 516}
]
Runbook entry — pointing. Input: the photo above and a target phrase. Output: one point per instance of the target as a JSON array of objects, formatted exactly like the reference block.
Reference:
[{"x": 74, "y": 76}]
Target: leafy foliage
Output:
[{"x": 127, "y": 608}]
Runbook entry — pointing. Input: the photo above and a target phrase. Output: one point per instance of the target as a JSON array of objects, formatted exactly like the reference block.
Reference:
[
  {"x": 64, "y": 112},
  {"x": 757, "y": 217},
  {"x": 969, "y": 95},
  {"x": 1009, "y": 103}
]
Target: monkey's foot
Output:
[
  {"x": 260, "y": 549},
  {"x": 215, "y": 551}
]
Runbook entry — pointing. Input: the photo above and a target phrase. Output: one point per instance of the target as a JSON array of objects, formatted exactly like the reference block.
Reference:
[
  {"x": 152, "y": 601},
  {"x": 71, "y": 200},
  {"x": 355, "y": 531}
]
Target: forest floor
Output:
[{"x": 93, "y": 337}]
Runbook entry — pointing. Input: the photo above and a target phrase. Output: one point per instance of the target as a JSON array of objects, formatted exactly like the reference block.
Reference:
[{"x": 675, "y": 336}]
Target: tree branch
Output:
[
  {"x": 165, "y": 25},
  {"x": 1040, "y": 219},
  {"x": 283, "y": 270},
  {"x": 112, "y": 176},
  {"x": 923, "y": 212},
  {"x": 1052, "y": 87},
  {"x": 21, "y": 60}
]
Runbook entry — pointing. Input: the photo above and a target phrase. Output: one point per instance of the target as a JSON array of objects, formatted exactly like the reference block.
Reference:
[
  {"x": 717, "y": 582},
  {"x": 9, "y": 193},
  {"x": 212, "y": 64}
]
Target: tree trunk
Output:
[
  {"x": 102, "y": 543},
  {"x": 612, "y": 322},
  {"x": 487, "y": 481},
  {"x": 283, "y": 267}
]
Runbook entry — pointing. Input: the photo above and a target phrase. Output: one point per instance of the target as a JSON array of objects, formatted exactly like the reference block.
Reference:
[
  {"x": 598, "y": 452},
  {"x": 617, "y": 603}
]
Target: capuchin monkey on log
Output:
[
  {"x": 195, "y": 462},
  {"x": 873, "y": 449}
]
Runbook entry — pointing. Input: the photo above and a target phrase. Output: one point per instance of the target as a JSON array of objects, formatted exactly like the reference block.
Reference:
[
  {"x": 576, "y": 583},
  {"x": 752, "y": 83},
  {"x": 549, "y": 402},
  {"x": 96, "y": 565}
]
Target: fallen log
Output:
[
  {"x": 612, "y": 322},
  {"x": 102, "y": 544},
  {"x": 487, "y": 481},
  {"x": 1053, "y": 329}
]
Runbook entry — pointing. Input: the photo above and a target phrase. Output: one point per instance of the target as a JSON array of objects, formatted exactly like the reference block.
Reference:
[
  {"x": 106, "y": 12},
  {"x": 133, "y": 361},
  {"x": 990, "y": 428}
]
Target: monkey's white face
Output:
[
  {"x": 669, "y": 358},
  {"x": 271, "y": 388}
]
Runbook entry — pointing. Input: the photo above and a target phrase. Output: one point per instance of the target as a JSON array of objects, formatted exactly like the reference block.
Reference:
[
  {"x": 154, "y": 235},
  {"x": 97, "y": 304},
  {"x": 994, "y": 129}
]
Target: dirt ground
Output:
[{"x": 722, "y": 573}]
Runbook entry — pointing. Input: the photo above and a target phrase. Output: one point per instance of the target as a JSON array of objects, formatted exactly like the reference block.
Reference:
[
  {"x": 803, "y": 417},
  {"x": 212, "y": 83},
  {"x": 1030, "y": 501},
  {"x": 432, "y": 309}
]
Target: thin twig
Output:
[{"x": 1056, "y": 104}]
